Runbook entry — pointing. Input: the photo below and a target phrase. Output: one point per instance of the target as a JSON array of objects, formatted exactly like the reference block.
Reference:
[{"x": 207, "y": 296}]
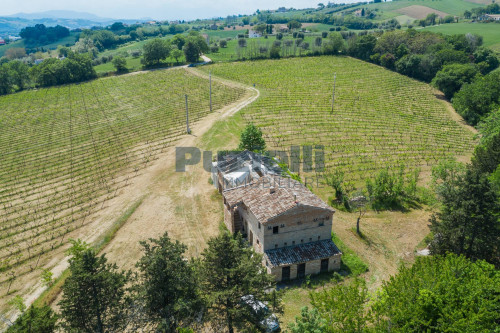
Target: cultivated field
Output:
[
  {"x": 67, "y": 150},
  {"x": 489, "y": 31},
  {"x": 420, "y": 12},
  {"x": 380, "y": 119}
]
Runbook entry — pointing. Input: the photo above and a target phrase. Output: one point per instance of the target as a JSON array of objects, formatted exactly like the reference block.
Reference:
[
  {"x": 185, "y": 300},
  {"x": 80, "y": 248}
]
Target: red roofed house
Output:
[
  {"x": 285, "y": 222},
  {"x": 2, "y": 42}
]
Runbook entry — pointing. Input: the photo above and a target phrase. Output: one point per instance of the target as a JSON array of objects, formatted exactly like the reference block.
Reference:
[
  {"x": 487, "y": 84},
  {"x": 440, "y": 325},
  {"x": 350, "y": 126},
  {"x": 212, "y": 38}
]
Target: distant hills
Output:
[{"x": 12, "y": 24}]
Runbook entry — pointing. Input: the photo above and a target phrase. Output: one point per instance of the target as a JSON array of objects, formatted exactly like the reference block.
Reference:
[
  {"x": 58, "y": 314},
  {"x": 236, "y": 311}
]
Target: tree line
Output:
[
  {"x": 40, "y": 34},
  {"x": 169, "y": 293},
  {"x": 16, "y": 75}
]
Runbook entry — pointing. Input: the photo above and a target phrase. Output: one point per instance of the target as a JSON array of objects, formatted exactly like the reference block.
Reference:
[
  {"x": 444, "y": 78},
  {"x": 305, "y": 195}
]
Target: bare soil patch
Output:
[{"x": 420, "y": 12}]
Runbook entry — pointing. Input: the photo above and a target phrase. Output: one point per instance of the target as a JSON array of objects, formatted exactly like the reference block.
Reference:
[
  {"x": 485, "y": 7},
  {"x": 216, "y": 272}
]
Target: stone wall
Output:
[{"x": 312, "y": 267}]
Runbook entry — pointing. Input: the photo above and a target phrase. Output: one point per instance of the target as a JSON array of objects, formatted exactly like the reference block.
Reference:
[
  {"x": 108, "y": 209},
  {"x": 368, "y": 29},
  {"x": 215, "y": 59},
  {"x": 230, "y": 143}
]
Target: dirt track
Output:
[{"x": 184, "y": 204}]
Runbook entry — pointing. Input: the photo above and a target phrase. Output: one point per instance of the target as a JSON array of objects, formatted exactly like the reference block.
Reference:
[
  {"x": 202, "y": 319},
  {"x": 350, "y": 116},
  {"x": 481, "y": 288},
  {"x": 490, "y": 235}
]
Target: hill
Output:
[
  {"x": 67, "y": 150},
  {"x": 489, "y": 31},
  {"x": 380, "y": 119}
]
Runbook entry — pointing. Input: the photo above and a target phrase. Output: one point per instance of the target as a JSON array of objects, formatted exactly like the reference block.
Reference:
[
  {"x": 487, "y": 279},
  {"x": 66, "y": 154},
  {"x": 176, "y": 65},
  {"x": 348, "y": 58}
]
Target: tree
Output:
[
  {"x": 177, "y": 54},
  {"x": 310, "y": 321},
  {"x": 479, "y": 98},
  {"x": 5, "y": 80},
  {"x": 223, "y": 43},
  {"x": 343, "y": 307},
  {"x": 333, "y": 44},
  {"x": 155, "y": 51},
  {"x": 179, "y": 41},
  {"x": 229, "y": 270},
  {"x": 439, "y": 294},
  {"x": 293, "y": 24},
  {"x": 451, "y": 78},
  {"x": 468, "y": 222},
  {"x": 362, "y": 46},
  {"x": 242, "y": 42},
  {"x": 94, "y": 295},
  {"x": 486, "y": 59},
  {"x": 251, "y": 139},
  {"x": 35, "y": 320},
  {"x": 120, "y": 64},
  {"x": 168, "y": 286},
  {"x": 275, "y": 52},
  {"x": 191, "y": 52},
  {"x": 487, "y": 155}
]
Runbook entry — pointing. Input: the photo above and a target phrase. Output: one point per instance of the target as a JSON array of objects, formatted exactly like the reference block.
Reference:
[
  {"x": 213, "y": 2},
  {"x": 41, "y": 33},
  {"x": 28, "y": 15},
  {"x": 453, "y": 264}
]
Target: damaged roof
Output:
[
  {"x": 270, "y": 196},
  {"x": 301, "y": 253}
]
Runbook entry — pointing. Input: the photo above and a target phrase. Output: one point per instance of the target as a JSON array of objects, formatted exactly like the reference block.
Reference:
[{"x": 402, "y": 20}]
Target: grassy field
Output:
[
  {"x": 452, "y": 7},
  {"x": 380, "y": 119},
  {"x": 70, "y": 40},
  {"x": 67, "y": 150},
  {"x": 489, "y": 31}
]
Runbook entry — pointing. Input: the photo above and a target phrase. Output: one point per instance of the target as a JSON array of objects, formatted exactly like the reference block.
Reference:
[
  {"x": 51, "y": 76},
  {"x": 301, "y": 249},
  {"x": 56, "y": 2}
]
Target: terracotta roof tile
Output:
[{"x": 271, "y": 196}]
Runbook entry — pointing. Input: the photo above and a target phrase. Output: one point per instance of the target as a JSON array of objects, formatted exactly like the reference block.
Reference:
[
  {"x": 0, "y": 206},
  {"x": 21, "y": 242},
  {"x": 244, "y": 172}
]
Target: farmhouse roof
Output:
[
  {"x": 270, "y": 196},
  {"x": 301, "y": 253}
]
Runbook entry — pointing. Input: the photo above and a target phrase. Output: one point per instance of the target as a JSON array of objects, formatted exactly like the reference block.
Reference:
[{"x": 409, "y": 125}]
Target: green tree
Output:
[
  {"x": 6, "y": 85},
  {"x": 310, "y": 321},
  {"x": 293, "y": 24},
  {"x": 94, "y": 295},
  {"x": 274, "y": 53},
  {"x": 191, "y": 52},
  {"x": 120, "y": 63},
  {"x": 155, "y": 51},
  {"x": 333, "y": 44},
  {"x": 168, "y": 285},
  {"x": 230, "y": 270},
  {"x": 468, "y": 222},
  {"x": 451, "y": 78},
  {"x": 362, "y": 46},
  {"x": 479, "y": 98},
  {"x": 251, "y": 139},
  {"x": 343, "y": 307},
  {"x": 440, "y": 294},
  {"x": 177, "y": 54},
  {"x": 35, "y": 320},
  {"x": 19, "y": 73},
  {"x": 179, "y": 41}
]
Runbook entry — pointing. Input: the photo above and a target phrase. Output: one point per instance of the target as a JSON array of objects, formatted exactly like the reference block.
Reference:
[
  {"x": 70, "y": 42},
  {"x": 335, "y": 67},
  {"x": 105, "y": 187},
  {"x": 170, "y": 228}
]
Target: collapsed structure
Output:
[{"x": 279, "y": 217}]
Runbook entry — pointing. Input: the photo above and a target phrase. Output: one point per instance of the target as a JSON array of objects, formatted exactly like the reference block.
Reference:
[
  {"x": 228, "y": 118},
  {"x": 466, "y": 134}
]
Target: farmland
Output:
[
  {"x": 489, "y": 31},
  {"x": 69, "y": 149},
  {"x": 380, "y": 119}
]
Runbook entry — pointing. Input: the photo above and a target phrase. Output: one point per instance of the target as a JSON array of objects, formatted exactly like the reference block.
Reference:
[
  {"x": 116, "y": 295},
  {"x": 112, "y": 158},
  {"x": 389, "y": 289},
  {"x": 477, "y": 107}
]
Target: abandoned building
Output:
[
  {"x": 284, "y": 221},
  {"x": 239, "y": 168}
]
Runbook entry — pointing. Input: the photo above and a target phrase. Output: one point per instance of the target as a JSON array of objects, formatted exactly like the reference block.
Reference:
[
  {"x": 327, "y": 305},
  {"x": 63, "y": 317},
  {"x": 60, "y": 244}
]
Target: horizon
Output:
[{"x": 157, "y": 9}]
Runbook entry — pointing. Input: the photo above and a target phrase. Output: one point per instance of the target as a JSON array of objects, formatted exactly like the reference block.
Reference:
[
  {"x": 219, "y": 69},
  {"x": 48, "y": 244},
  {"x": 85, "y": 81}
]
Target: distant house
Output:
[
  {"x": 254, "y": 34},
  {"x": 14, "y": 38},
  {"x": 38, "y": 61},
  {"x": 358, "y": 13},
  {"x": 2, "y": 42},
  {"x": 493, "y": 17}
]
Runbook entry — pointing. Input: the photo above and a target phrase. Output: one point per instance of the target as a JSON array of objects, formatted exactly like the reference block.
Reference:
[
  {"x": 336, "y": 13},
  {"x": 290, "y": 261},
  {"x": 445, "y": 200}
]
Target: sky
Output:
[{"x": 156, "y": 9}]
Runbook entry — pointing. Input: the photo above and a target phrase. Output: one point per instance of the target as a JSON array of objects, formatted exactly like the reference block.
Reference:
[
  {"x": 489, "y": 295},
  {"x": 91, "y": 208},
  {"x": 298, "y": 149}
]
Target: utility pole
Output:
[
  {"x": 333, "y": 94},
  {"x": 210, "y": 80},
  {"x": 187, "y": 116}
]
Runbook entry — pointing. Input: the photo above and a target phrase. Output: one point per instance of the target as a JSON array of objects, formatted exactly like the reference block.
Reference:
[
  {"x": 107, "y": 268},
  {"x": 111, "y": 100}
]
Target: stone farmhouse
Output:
[{"x": 283, "y": 220}]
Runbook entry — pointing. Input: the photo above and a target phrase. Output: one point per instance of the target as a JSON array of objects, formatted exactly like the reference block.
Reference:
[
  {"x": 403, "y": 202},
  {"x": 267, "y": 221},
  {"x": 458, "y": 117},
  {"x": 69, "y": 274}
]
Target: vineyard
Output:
[
  {"x": 380, "y": 119},
  {"x": 67, "y": 150}
]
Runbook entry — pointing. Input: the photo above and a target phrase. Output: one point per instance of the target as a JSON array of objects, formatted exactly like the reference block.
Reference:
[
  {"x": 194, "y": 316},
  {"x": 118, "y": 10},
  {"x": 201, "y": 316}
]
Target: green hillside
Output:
[
  {"x": 489, "y": 31},
  {"x": 380, "y": 118},
  {"x": 66, "y": 150}
]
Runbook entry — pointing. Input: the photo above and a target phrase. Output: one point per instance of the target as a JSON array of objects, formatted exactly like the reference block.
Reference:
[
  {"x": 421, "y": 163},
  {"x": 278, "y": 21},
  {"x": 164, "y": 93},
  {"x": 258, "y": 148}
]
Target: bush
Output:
[
  {"x": 120, "y": 64},
  {"x": 223, "y": 43},
  {"x": 214, "y": 48}
]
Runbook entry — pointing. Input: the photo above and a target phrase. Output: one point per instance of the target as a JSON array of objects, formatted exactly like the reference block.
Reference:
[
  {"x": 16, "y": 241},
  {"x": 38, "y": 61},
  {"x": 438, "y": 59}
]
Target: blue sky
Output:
[{"x": 156, "y": 9}]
